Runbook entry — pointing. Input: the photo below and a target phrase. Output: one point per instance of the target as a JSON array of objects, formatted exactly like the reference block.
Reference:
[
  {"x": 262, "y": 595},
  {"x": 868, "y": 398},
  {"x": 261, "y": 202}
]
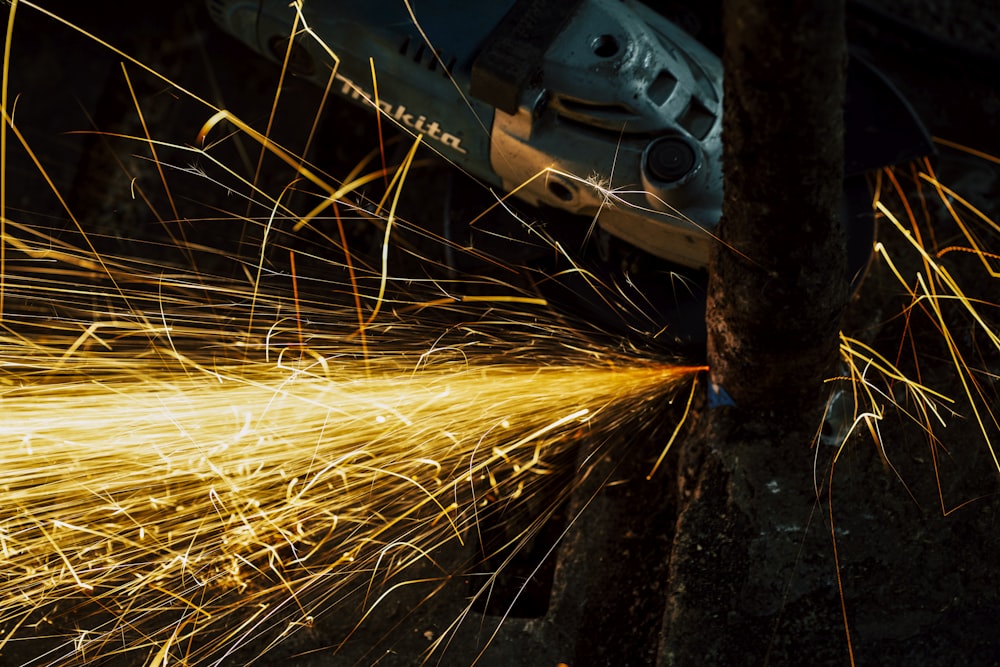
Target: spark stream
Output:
[{"x": 188, "y": 501}]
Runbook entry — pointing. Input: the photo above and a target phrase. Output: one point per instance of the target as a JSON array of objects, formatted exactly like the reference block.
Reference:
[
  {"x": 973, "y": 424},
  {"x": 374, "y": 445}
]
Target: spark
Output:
[
  {"x": 197, "y": 463},
  {"x": 214, "y": 485},
  {"x": 954, "y": 299},
  {"x": 945, "y": 297}
]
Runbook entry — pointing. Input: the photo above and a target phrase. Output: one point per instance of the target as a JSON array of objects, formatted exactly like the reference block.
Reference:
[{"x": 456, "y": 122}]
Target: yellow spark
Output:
[
  {"x": 193, "y": 460},
  {"x": 169, "y": 474},
  {"x": 4, "y": 76}
]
